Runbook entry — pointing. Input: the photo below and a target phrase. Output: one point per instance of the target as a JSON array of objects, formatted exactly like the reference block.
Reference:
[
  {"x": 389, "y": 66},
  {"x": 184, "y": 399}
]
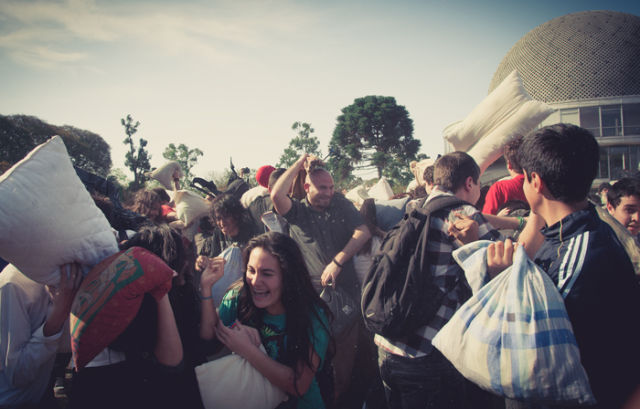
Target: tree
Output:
[
  {"x": 303, "y": 142},
  {"x": 137, "y": 159},
  {"x": 19, "y": 134},
  {"x": 187, "y": 158},
  {"x": 373, "y": 132}
]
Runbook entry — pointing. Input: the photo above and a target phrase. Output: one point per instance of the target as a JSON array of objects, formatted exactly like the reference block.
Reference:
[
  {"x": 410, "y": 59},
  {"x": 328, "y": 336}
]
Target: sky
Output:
[{"x": 230, "y": 77}]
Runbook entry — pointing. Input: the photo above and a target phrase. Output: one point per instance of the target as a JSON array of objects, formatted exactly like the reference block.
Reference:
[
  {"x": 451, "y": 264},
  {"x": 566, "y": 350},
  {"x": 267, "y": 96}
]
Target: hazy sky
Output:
[{"x": 230, "y": 77}]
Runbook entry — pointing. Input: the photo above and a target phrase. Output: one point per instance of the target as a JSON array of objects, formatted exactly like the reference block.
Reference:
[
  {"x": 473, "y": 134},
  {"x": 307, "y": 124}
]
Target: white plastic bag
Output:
[
  {"x": 514, "y": 338},
  {"x": 232, "y": 382},
  {"x": 232, "y": 271}
]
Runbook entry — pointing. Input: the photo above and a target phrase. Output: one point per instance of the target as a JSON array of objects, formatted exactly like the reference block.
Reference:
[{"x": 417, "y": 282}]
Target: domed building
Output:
[{"x": 587, "y": 66}]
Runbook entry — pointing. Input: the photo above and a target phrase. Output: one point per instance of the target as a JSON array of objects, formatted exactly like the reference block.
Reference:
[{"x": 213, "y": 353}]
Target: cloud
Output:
[{"x": 51, "y": 33}]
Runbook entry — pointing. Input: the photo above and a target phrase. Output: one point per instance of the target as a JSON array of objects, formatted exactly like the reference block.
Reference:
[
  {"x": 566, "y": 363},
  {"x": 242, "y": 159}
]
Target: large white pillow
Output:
[
  {"x": 47, "y": 217},
  {"x": 164, "y": 174},
  {"x": 507, "y": 110},
  {"x": 232, "y": 382},
  {"x": 190, "y": 206},
  {"x": 491, "y": 146},
  {"x": 252, "y": 194},
  {"x": 381, "y": 190}
]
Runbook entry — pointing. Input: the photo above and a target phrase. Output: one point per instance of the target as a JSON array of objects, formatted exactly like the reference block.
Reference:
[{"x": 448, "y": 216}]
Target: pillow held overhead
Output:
[
  {"x": 48, "y": 218},
  {"x": 109, "y": 299},
  {"x": 190, "y": 206},
  {"x": 507, "y": 110},
  {"x": 164, "y": 174}
]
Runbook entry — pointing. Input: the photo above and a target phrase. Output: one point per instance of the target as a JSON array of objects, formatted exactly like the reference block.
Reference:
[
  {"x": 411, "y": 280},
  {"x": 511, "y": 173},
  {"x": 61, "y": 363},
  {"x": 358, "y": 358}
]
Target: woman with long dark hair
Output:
[{"x": 275, "y": 305}]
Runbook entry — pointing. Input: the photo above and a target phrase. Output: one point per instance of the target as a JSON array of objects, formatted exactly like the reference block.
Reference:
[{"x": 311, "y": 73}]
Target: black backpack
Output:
[{"x": 399, "y": 295}]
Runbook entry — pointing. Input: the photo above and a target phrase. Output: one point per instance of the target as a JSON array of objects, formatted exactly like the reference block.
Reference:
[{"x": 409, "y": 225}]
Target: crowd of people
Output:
[{"x": 293, "y": 237}]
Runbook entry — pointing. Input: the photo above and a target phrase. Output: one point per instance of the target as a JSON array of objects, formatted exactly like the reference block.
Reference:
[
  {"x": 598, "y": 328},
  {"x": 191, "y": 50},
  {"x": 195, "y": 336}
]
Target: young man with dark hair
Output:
[
  {"x": 415, "y": 374},
  {"x": 582, "y": 256},
  {"x": 504, "y": 191},
  {"x": 623, "y": 203},
  {"x": 428, "y": 179}
]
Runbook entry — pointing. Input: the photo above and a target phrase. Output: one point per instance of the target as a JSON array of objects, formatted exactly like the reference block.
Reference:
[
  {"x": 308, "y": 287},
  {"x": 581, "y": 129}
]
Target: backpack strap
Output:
[{"x": 442, "y": 202}]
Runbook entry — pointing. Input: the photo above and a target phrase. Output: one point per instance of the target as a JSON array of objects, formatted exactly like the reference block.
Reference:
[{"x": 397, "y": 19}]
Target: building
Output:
[{"x": 587, "y": 65}]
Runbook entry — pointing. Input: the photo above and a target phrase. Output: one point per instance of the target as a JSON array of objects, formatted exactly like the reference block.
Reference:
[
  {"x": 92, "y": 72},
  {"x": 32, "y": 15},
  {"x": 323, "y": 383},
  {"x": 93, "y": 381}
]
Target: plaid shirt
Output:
[{"x": 447, "y": 275}]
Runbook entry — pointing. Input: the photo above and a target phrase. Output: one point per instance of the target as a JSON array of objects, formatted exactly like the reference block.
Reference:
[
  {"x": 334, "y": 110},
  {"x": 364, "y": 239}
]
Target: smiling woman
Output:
[{"x": 275, "y": 306}]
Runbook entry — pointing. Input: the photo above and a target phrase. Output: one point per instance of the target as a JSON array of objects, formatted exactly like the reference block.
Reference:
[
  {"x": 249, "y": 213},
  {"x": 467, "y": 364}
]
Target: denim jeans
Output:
[{"x": 426, "y": 382}]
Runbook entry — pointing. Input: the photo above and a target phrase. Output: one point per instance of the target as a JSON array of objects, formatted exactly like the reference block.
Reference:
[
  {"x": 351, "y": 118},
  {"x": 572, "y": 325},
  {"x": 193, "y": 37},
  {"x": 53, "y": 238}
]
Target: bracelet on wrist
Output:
[
  {"x": 521, "y": 222},
  {"x": 210, "y": 297},
  {"x": 336, "y": 263}
]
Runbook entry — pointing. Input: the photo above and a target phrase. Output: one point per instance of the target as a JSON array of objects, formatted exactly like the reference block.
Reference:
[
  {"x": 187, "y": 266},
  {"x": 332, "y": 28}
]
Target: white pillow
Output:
[
  {"x": 47, "y": 217},
  {"x": 252, "y": 194},
  {"x": 507, "y": 110},
  {"x": 357, "y": 195},
  {"x": 490, "y": 147},
  {"x": 417, "y": 168},
  {"x": 232, "y": 382},
  {"x": 381, "y": 190},
  {"x": 164, "y": 174},
  {"x": 190, "y": 206}
]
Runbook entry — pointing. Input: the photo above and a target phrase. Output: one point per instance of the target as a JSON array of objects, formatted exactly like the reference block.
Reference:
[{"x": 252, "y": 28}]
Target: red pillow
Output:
[{"x": 110, "y": 297}]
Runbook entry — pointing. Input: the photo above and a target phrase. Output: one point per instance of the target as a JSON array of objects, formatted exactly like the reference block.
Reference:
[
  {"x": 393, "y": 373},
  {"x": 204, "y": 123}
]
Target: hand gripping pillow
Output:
[
  {"x": 190, "y": 206},
  {"x": 109, "y": 299},
  {"x": 513, "y": 337},
  {"x": 47, "y": 217},
  {"x": 507, "y": 110},
  {"x": 232, "y": 382},
  {"x": 164, "y": 174}
]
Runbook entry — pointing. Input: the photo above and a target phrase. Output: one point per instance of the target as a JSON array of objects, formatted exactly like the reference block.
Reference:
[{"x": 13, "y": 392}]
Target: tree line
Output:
[{"x": 372, "y": 133}]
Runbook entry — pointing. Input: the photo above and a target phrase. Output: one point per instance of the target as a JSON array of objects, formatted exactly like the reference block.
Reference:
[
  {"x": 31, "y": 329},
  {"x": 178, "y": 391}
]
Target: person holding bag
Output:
[{"x": 274, "y": 306}]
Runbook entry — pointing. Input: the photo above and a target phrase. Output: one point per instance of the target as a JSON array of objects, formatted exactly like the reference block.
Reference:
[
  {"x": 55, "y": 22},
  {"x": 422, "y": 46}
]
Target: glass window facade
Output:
[
  {"x": 615, "y": 161},
  {"x": 631, "y": 115}
]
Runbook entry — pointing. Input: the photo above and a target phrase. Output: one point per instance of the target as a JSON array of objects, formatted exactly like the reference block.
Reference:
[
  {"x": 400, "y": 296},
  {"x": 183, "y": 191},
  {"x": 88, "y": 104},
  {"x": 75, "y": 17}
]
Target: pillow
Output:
[
  {"x": 381, "y": 190},
  {"x": 252, "y": 194},
  {"x": 490, "y": 147},
  {"x": 357, "y": 195},
  {"x": 190, "y": 206},
  {"x": 164, "y": 174},
  {"x": 508, "y": 104},
  {"x": 417, "y": 168},
  {"x": 231, "y": 382},
  {"x": 47, "y": 217},
  {"x": 109, "y": 299}
]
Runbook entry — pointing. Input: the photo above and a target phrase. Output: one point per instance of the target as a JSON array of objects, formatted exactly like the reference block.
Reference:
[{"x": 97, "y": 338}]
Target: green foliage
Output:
[
  {"x": 136, "y": 159},
  {"x": 19, "y": 134},
  {"x": 302, "y": 143},
  {"x": 373, "y": 132},
  {"x": 187, "y": 158}
]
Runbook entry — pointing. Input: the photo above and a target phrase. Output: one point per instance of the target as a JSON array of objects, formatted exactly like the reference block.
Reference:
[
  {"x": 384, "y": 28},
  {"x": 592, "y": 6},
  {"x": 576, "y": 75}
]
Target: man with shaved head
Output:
[
  {"x": 327, "y": 226},
  {"x": 329, "y": 231}
]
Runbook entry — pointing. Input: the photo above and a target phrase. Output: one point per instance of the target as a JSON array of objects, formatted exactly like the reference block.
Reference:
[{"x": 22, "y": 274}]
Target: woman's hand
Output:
[
  {"x": 239, "y": 338},
  {"x": 212, "y": 270}
]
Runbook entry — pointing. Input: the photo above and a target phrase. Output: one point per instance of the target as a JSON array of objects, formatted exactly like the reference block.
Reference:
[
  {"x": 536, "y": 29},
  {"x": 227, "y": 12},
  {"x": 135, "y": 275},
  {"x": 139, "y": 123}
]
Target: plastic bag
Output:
[
  {"x": 232, "y": 271},
  {"x": 514, "y": 338},
  {"x": 232, "y": 382},
  {"x": 344, "y": 309}
]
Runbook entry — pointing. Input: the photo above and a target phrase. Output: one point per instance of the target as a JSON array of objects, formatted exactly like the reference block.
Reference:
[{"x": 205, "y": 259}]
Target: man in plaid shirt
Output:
[{"x": 416, "y": 375}]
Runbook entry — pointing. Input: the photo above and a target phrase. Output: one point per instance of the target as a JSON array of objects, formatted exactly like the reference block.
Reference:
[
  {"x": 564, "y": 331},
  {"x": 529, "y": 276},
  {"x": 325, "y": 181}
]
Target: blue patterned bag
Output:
[{"x": 513, "y": 337}]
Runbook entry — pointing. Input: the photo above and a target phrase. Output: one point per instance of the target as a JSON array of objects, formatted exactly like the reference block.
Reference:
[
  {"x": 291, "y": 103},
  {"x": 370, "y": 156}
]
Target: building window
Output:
[
  {"x": 631, "y": 116},
  {"x": 590, "y": 119},
  {"x": 618, "y": 161},
  {"x": 611, "y": 120}
]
